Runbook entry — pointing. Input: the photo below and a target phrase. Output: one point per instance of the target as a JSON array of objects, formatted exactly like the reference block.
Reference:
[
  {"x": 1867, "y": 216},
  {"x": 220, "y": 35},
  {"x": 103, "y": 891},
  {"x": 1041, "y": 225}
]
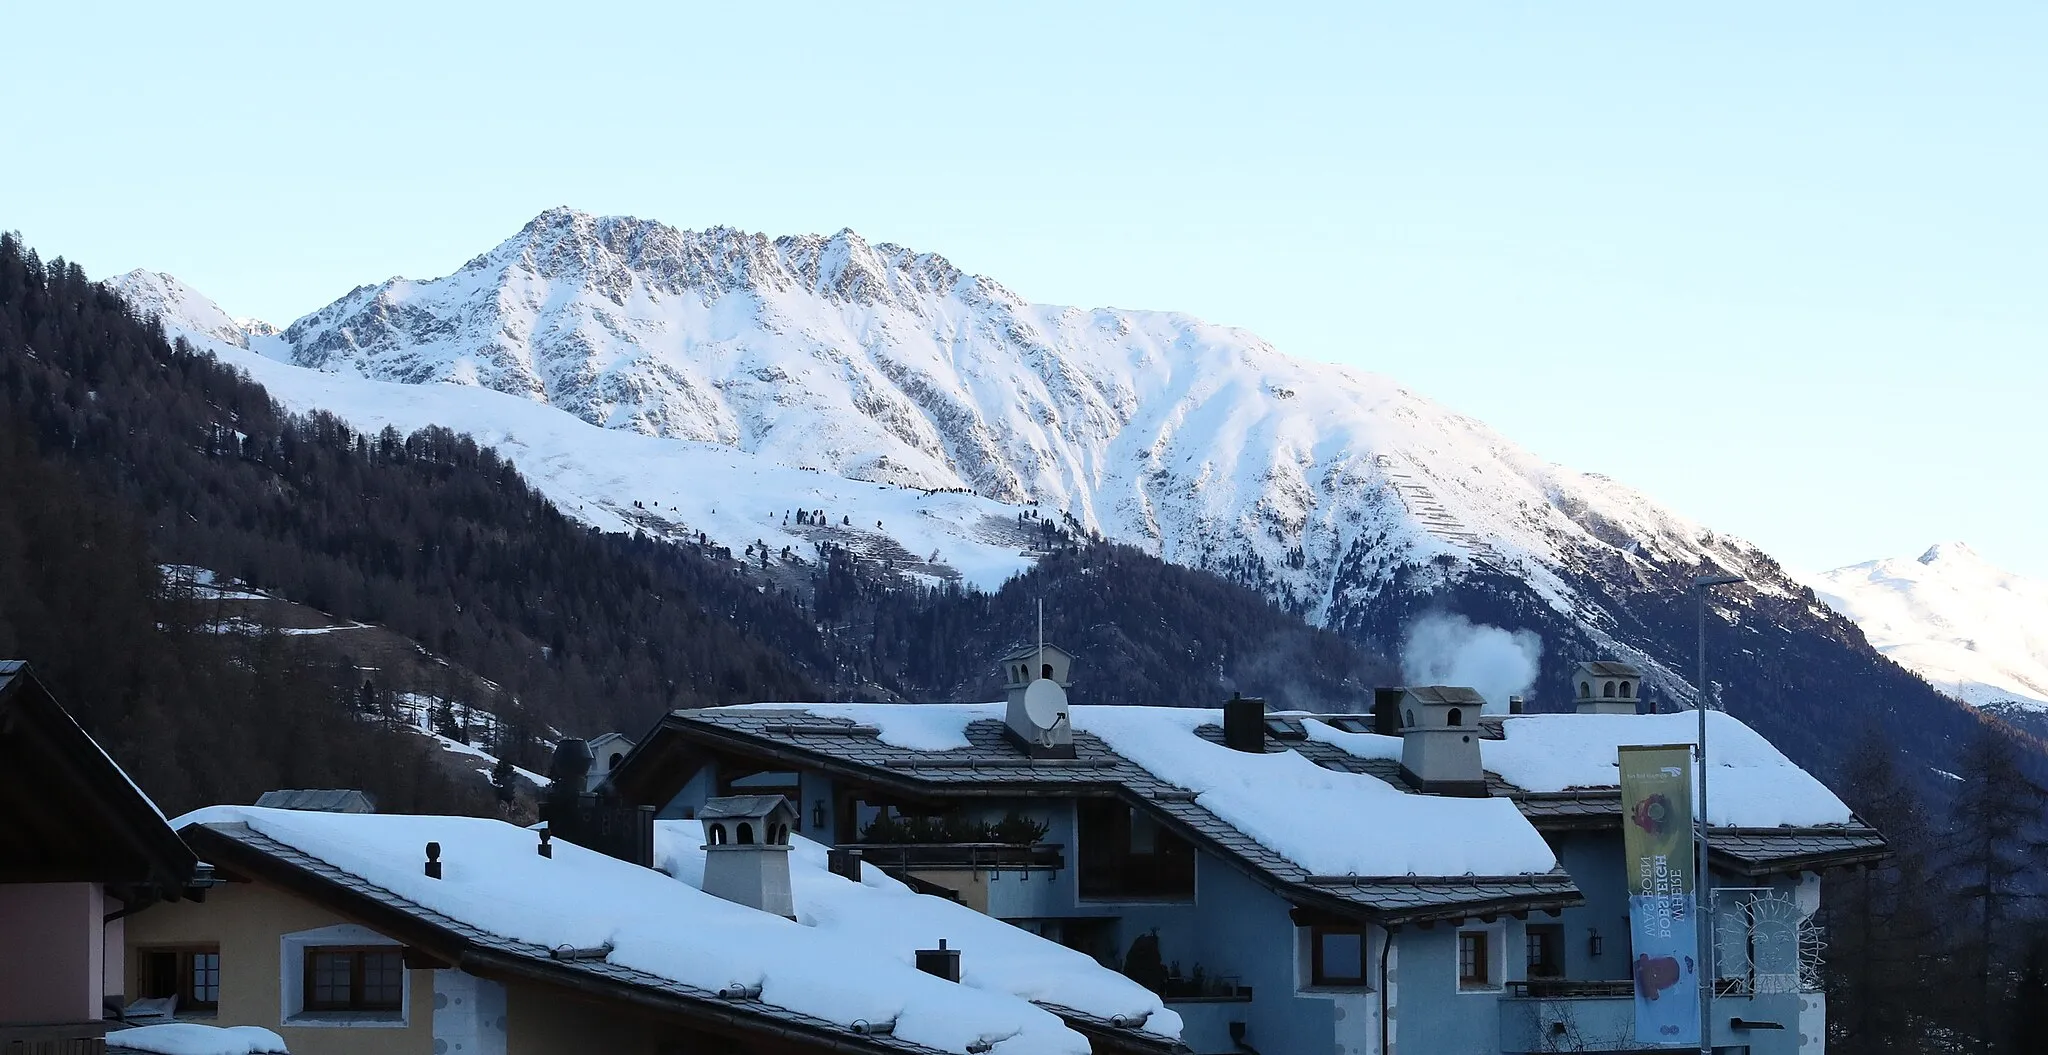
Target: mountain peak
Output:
[{"x": 1952, "y": 552}]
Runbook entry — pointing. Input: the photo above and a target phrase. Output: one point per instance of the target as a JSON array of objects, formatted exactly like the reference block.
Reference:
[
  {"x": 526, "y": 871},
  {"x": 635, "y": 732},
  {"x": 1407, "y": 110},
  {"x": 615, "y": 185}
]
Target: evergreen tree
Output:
[{"x": 1996, "y": 846}]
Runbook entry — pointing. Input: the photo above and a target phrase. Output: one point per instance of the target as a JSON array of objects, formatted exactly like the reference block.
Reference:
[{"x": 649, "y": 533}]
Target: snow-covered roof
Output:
[
  {"x": 830, "y": 968},
  {"x": 883, "y": 915},
  {"x": 1326, "y": 822},
  {"x": 1750, "y": 783}
]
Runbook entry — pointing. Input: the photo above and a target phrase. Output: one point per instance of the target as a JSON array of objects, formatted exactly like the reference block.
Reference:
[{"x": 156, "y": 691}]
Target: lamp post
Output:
[{"x": 1702, "y": 900}]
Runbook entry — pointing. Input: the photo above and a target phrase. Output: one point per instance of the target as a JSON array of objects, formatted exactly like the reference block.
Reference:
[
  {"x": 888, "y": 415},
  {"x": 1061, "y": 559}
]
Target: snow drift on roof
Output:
[
  {"x": 880, "y": 914},
  {"x": 1328, "y": 822},
  {"x": 1750, "y": 784},
  {"x": 493, "y": 879}
]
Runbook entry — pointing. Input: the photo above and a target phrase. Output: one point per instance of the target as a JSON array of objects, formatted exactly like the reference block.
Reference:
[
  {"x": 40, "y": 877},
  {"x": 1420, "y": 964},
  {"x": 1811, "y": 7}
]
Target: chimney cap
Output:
[
  {"x": 1608, "y": 668},
  {"x": 743, "y": 807},
  {"x": 1447, "y": 695}
]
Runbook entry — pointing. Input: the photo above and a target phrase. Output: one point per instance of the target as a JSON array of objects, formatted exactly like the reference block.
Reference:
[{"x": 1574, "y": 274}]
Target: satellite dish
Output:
[{"x": 1045, "y": 703}]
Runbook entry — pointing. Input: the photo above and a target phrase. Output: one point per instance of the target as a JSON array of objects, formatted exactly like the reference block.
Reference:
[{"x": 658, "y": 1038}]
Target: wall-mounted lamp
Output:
[
  {"x": 818, "y": 815},
  {"x": 1593, "y": 941}
]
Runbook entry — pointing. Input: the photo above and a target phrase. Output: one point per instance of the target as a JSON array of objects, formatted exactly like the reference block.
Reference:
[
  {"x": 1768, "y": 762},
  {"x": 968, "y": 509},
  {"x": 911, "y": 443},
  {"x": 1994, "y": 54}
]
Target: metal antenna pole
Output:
[
  {"x": 1040, "y": 661},
  {"x": 1703, "y": 898}
]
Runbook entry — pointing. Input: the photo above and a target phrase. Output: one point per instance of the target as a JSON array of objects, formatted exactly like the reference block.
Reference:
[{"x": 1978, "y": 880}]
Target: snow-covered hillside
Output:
[
  {"x": 1973, "y": 630},
  {"x": 720, "y": 379}
]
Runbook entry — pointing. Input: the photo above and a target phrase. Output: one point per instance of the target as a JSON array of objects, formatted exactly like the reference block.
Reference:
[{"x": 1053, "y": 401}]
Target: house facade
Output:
[
  {"x": 1367, "y": 883},
  {"x": 81, "y": 850}
]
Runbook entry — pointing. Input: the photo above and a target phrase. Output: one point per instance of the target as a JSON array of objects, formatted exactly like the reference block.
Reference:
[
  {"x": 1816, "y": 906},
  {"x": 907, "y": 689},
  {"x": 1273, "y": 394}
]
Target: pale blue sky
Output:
[{"x": 1797, "y": 252}]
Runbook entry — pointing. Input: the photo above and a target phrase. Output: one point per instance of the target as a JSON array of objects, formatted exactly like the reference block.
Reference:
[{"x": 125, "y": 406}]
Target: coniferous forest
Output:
[{"x": 122, "y": 452}]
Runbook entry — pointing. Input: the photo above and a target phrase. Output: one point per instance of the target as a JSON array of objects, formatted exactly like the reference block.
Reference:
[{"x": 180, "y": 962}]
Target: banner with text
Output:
[{"x": 1657, "y": 838}]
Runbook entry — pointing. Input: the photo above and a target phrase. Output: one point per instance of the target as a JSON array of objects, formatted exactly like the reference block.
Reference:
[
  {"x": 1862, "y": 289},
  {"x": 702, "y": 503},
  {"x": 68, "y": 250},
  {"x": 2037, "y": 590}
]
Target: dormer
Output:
[
  {"x": 1440, "y": 740},
  {"x": 746, "y": 851},
  {"x": 1607, "y": 687}
]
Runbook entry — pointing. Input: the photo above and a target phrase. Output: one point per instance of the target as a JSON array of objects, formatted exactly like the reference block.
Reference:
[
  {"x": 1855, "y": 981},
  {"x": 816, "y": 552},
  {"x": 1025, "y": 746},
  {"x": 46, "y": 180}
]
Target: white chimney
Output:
[
  {"x": 1036, "y": 681},
  {"x": 746, "y": 851},
  {"x": 1607, "y": 687},
  {"x": 1440, "y": 740}
]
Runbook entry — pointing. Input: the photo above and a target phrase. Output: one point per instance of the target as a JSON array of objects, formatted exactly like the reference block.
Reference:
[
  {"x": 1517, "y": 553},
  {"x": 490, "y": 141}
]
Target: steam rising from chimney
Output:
[{"x": 1445, "y": 649}]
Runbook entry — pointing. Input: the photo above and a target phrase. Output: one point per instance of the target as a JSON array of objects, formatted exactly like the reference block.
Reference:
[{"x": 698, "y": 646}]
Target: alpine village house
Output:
[{"x": 1013, "y": 878}]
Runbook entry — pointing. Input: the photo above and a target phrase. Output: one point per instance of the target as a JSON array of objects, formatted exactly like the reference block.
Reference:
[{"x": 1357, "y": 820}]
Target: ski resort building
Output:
[{"x": 1416, "y": 878}]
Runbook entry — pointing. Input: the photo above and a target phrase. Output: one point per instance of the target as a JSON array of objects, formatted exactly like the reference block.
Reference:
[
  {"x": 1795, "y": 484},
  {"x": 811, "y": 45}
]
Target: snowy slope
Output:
[
  {"x": 1973, "y": 630},
  {"x": 616, "y": 359}
]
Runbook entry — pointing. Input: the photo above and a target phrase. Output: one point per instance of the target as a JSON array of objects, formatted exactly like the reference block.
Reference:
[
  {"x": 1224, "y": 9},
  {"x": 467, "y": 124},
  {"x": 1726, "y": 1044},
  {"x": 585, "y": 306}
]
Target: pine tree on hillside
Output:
[
  {"x": 1996, "y": 845},
  {"x": 1884, "y": 922}
]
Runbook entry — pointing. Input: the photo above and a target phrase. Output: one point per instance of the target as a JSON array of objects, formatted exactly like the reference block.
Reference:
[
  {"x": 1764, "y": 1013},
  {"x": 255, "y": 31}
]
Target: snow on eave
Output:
[
  {"x": 1323, "y": 821},
  {"x": 493, "y": 880}
]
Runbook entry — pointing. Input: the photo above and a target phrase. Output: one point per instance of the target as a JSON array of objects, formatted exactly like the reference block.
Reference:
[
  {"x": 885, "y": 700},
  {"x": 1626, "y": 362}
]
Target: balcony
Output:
[
  {"x": 962, "y": 857},
  {"x": 1555, "y": 1015},
  {"x": 69, "y": 1038}
]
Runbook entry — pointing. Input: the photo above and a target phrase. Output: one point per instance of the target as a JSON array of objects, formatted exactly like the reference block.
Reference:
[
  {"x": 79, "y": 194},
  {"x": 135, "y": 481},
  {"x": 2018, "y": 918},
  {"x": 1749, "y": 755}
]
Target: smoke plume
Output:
[{"x": 1444, "y": 649}]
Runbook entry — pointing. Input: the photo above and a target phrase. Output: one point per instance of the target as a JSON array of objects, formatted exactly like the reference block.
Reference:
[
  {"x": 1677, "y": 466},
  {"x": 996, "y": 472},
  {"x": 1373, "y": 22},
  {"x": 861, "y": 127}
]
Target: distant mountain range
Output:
[
  {"x": 1973, "y": 630},
  {"x": 717, "y": 382}
]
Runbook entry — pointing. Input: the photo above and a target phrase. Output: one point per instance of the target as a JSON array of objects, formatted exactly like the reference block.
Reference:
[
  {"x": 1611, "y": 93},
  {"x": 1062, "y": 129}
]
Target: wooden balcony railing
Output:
[
  {"x": 65, "y": 1038},
  {"x": 962, "y": 856},
  {"x": 1563, "y": 989}
]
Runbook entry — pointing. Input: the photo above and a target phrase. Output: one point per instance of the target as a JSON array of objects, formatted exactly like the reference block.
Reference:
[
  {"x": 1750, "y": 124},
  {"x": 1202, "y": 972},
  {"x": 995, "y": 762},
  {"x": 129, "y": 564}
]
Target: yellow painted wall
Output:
[
  {"x": 248, "y": 921},
  {"x": 544, "y": 1021}
]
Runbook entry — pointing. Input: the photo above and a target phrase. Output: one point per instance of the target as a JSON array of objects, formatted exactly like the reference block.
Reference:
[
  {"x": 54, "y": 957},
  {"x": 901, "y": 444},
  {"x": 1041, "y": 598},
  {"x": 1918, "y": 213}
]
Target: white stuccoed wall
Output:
[{"x": 469, "y": 1014}]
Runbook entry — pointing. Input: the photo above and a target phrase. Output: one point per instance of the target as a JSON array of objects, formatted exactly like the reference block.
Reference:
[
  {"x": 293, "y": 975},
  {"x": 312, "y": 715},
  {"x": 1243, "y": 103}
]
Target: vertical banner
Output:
[{"x": 1657, "y": 839}]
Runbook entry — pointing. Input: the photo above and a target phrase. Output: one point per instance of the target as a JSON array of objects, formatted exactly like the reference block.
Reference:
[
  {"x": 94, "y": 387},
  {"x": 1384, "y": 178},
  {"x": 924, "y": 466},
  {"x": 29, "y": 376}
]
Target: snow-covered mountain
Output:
[
  {"x": 857, "y": 364},
  {"x": 1972, "y": 629}
]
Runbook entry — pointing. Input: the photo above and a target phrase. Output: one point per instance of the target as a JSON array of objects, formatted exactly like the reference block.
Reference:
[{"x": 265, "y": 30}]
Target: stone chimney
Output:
[
  {"x": 1244, "y": 724},
  {"x": 746, "y": 851},
  {"x": 1036, "y": 679},
  {"x": 1607, "y": 687},
  {"x": 941, "y": 961},
  {"x": 1440, "y": 740}
]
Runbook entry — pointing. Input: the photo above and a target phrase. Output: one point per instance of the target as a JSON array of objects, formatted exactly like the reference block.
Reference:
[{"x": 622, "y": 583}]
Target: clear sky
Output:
[{"x": 1782, "y": 266}]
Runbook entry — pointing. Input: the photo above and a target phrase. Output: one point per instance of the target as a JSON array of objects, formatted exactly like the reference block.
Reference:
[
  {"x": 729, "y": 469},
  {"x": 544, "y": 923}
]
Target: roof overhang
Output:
[{"x": 71, "y": 814}]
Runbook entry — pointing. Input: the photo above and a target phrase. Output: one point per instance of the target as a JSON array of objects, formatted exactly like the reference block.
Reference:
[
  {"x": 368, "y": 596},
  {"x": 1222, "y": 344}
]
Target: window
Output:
[
  {"x": 190, "y": 973},
  {"x": 1126, "y": 854},
  {"x": 1609, "y": 691},
  {"x": 1585, "y": 690},
  {"x": 1337, "y": 956},
  {"x": 1545, "y": 944},
  {"x": 1455, "y": 718},
  {"x": 370, "y": 978},
  {"x": 1472, "y": 962},
  {"x": 1626, "y": 691}
]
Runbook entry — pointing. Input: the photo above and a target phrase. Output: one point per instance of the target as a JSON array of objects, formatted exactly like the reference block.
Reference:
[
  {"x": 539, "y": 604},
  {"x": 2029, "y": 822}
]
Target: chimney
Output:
[
  {"x": 746, "y": 851},
  {"x": 1244, "y": 724},
  {"x": 1516, "y": 706},
  {"x": 843, "y": 863},
  {"x": 1036, "y": 679},
  {"x": 941, "y": 961},
  {"x": 1607, "y": 687},
  {"x": 1440, "y": 740},
  {"x": 1386, "y": 711}
]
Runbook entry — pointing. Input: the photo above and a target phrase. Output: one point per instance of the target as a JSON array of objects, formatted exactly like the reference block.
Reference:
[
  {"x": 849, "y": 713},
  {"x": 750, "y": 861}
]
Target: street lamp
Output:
[{"x": 1702, "y": 900}]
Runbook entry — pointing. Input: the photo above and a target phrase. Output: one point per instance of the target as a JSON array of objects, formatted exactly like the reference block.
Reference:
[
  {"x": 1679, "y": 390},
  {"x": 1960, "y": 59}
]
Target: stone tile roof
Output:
[
  {"x": 991, "y": 763},
  {"x": 770, "y": 1016},
  {"x": 774, "y": 1018}
]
